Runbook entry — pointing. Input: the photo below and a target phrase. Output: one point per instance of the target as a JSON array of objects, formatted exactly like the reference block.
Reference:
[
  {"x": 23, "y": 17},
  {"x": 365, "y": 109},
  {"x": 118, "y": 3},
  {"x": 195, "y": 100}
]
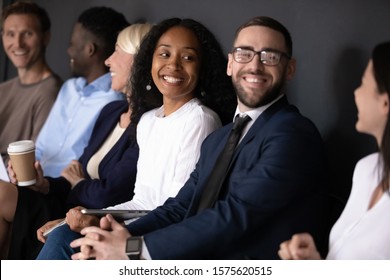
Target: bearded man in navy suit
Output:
[{"x": 275, "y": 185}]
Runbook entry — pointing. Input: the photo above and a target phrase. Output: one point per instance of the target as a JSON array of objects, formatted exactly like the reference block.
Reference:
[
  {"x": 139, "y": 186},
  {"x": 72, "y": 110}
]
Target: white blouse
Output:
[
  {"x": 169, "y": 149},
  {"x": 360, "y": 233}
]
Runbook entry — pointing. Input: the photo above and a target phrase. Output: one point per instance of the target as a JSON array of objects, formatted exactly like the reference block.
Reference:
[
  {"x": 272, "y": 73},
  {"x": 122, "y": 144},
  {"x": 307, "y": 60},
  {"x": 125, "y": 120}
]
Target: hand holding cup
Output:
[{"x": 22, "y": 157}]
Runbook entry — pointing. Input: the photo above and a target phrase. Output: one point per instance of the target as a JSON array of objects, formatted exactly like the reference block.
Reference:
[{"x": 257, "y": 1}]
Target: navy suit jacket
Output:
[
  {"x": 117, "y": 170},
  {"x": 276, "y": 186}
]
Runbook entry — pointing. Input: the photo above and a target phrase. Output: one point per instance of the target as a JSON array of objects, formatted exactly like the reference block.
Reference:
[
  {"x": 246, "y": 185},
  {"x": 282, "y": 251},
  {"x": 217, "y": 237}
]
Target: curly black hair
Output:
[{"x": 215, "y": 89}]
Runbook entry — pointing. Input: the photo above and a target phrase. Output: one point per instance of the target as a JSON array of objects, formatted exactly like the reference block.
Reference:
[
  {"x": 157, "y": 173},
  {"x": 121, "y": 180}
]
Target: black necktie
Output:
[{"x": 217, "y": 176}]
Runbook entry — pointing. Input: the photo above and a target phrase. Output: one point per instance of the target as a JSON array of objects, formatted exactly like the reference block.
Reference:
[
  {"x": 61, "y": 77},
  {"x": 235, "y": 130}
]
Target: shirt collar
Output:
[
  {"x": 103, "y": 83},
  {"x": 256, "y": 112}
]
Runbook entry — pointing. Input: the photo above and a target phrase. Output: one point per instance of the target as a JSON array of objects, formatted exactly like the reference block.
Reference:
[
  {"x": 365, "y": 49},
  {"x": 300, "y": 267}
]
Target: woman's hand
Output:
[
  {"x": 77, "y": 220},
  {"x": 42, "y": 185},
  {"x": 46, "y": 227},
  {"x": 73, "y": 173},
  {"x": 300, "y": 247}
]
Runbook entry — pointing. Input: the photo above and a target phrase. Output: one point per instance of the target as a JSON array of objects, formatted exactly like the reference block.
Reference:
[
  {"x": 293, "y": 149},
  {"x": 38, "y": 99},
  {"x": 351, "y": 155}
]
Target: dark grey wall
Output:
[{"x": 332, "y": 42}]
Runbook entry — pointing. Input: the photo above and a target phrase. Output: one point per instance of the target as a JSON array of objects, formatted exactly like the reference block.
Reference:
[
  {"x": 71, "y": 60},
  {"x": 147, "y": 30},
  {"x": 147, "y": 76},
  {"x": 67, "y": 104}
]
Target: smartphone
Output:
[{"x": 117, "y": 214}]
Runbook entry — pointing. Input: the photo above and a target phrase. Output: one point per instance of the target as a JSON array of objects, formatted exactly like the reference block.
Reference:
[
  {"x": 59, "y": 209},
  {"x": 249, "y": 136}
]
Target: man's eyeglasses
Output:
[{"x": 267, "y": 57}]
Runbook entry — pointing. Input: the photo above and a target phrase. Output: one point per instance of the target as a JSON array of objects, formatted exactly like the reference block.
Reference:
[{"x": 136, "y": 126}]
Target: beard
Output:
[{"x": 258, "y": 99}]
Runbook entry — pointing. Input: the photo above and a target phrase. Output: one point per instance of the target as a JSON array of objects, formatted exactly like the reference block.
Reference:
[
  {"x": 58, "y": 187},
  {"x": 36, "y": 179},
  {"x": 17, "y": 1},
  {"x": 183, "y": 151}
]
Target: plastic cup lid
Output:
[{"x": 21, "y": 146}]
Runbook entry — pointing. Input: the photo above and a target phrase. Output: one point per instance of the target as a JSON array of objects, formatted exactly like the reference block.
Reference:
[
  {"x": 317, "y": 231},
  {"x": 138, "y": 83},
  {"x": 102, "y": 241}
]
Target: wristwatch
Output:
[{"x": 134, "y": 247}]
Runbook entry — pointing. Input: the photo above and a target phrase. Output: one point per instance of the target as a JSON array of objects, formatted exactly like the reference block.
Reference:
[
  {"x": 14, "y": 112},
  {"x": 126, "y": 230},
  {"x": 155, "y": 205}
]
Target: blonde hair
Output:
[{"x": 130, "y": 38}]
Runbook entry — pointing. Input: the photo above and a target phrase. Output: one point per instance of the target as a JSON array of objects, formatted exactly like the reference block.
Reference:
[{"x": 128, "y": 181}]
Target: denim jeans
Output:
[{"x": 57, "y": 244}]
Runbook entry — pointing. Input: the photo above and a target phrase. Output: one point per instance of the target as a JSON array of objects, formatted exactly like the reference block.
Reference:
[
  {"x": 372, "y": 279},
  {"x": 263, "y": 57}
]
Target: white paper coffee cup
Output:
[{"x": 22, "y": 156}]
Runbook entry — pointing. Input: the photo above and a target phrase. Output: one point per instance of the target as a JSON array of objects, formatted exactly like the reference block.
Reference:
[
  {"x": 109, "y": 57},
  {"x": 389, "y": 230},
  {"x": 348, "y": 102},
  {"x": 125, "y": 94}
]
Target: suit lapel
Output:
[
  {"x": 259, "y": 124},
  {"x": 110, "y": 123}
]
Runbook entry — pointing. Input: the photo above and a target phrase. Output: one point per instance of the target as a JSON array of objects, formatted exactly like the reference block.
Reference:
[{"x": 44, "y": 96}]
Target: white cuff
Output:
[{"x": 145, "y": 252}]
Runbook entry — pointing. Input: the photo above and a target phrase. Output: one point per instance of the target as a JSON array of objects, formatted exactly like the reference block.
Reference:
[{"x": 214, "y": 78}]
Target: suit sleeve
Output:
[{"x": 115, "y": 187}]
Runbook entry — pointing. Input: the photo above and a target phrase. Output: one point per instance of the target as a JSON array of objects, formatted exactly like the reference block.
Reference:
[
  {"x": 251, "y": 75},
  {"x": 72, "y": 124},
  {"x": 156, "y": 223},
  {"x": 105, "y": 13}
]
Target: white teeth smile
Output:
[
  {"x": 253, "y": 80},
  {"x": 172, "y": 80},
  {"x": 19, "y": 52}
]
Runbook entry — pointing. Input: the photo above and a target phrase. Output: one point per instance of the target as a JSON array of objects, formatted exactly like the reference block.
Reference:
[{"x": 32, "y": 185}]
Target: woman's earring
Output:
[
  {"x": 203, "y": 93},
  {"x": 149, "y": 86}
]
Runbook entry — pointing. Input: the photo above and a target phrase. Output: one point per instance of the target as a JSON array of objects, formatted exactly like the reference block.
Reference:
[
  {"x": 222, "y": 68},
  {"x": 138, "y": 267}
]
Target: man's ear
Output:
[
  {"x": 229, "y": 69},
  {"x": 291, "y": 67},
  {"x": 91, "y": 48}
]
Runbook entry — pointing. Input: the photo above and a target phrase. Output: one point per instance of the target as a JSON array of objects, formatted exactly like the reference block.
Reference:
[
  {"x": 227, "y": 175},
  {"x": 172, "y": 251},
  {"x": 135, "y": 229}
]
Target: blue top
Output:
[{"x": 69, "y": 125}]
